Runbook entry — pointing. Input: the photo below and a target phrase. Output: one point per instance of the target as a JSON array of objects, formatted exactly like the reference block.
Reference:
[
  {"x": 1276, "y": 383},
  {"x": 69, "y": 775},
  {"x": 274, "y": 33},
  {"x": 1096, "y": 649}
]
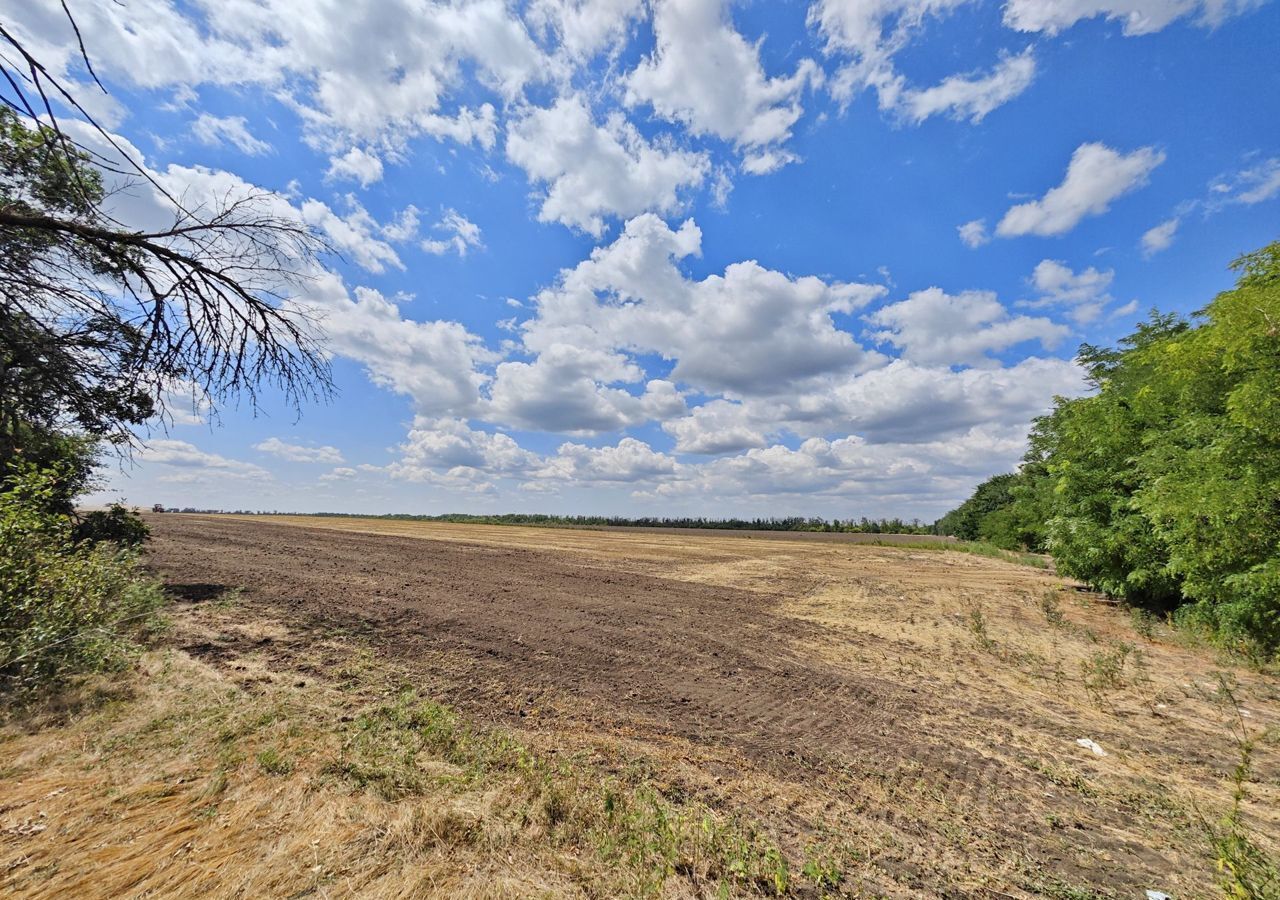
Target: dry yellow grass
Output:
[{"x": 198, "y": 786}]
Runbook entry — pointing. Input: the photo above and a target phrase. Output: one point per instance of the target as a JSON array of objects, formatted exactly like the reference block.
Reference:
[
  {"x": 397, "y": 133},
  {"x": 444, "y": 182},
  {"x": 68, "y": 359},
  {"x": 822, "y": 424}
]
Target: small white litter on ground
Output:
[{"x": 1091, "y": 746}]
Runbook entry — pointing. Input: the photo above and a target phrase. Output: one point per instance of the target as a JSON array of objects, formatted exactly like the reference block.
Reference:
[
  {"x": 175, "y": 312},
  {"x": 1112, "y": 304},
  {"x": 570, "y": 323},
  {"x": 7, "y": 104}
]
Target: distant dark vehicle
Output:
[{"x": 159, "y": 507}]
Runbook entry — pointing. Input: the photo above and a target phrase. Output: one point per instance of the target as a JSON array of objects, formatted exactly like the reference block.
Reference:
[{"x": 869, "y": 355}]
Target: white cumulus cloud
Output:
[
  {"x": 936, "y": 328},
  {"x": 972, "y": 97},
  {"x": 1083, "y": 294},
  {"x": 870, "y": 33},
  {"x": 460, "y": 235},
  {"x": 356, "y": 165},
  {"x": 751, "y": 330},
  {"x": 299, "y": 453},
  {"x": 1159, "y": 237},
  {"x": 974, "y": 234},
  {"x": 445, "y": 446},
  {"x": 355, "y": 235},
  {"x": 1136, "y": 16},
  {"x": 1258, "y": 183},
  {"x": 436, "y": 363},
  {"x": 584, "y": 27},
  {"x": 182, "y": 461},
  {"x": 629, "y": 460},
  {"x": 233, "y": 130},
  {"x": 592, "y": 171},
  {"x": 704, "y": 74},
  {"x": 316, "y": 59},
  {"x": 1096, "y": 176}
]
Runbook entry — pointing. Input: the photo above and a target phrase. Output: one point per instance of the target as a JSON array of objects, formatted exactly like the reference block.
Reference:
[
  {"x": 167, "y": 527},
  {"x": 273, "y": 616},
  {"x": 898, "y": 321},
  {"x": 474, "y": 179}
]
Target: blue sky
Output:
[{"x": 688, "y": 256}]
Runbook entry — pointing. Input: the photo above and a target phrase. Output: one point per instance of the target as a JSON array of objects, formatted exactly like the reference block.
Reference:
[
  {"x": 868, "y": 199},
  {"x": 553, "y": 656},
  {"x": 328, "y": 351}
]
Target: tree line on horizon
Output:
[
  {"x": 1162, "y": 486},
  {"x": 863, "y": 525}
]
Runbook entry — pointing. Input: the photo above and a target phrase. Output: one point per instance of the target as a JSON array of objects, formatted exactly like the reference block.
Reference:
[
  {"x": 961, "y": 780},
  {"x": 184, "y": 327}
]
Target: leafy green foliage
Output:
[
  {"x": 37, "y": 175},
  {"x": 1212, "y": 481},
  {"x": 72, "y": 370},
  {"x": 115, "y": 524},
  {"x": 98, "y": 324},
  {"x": 65, "y": 606},
  {"x": 966, "y": 521},
  {"x": 1005, "y": 511},
  {"x": 1246, "y": 870},
  {"x": 1105, "y": 671},
  {"x": 1163, "y": 486}
]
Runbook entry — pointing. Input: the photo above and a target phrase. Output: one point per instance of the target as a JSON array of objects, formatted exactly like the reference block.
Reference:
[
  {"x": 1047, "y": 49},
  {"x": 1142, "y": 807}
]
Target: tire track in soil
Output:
[{"x": 704, "y": 663}]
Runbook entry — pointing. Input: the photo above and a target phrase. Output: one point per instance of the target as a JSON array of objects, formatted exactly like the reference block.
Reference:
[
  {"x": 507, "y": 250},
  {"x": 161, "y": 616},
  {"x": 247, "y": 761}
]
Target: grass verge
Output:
[
  {"x": 189, "y": 781},
  {"x": 977, "y": 548}
]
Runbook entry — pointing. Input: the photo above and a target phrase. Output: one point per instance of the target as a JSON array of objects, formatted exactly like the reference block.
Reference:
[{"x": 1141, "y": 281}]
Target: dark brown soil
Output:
[{"x": 701, "y": 662}]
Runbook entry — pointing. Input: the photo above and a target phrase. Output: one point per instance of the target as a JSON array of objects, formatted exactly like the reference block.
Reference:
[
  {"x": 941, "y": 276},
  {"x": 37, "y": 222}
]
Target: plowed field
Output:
[{"x": 918, "y": 708}]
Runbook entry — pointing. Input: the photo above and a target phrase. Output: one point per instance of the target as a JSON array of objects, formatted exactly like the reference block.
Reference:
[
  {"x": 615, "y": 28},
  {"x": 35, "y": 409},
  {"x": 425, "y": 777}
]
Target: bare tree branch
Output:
[{"x": 204, "y": 302}]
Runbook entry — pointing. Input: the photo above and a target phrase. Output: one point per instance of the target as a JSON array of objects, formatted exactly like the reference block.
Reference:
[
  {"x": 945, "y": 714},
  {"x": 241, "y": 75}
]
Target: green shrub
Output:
[
  {"x": 66, "y": 607},
  {"x": 116, "y": 524}
]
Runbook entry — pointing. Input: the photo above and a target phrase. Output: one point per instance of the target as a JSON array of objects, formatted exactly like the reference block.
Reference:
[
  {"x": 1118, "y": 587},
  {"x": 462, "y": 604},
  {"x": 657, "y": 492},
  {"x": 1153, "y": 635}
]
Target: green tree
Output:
[
  {"x": 1211, "y": 461},
  {"x": 1163, "y": 486},
  {"x": 98, "y": 321},
  {"x": 967, "y": 521},
  {"x": 1096, "y": 530},
  {"x": 58, "y": 376}
]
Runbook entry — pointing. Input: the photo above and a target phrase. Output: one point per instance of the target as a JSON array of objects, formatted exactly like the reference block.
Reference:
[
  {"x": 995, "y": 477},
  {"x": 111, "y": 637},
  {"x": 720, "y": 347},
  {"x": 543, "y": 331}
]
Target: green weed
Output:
[
  {"x": 646, "y": 837},
  {"x": 66, "y": 607},
  {"x": 822, "y": 869},
  {"x": 977, "y": 548},
  {"x": 1246, "y": 871},
  {"x": 1051, "y": 607},
  {"x": 1104, "y": 672},
  {"x": 1144, "y": 623},
  {"x": 976, "y": 622},
  {"x": 271, "y": 762}
]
